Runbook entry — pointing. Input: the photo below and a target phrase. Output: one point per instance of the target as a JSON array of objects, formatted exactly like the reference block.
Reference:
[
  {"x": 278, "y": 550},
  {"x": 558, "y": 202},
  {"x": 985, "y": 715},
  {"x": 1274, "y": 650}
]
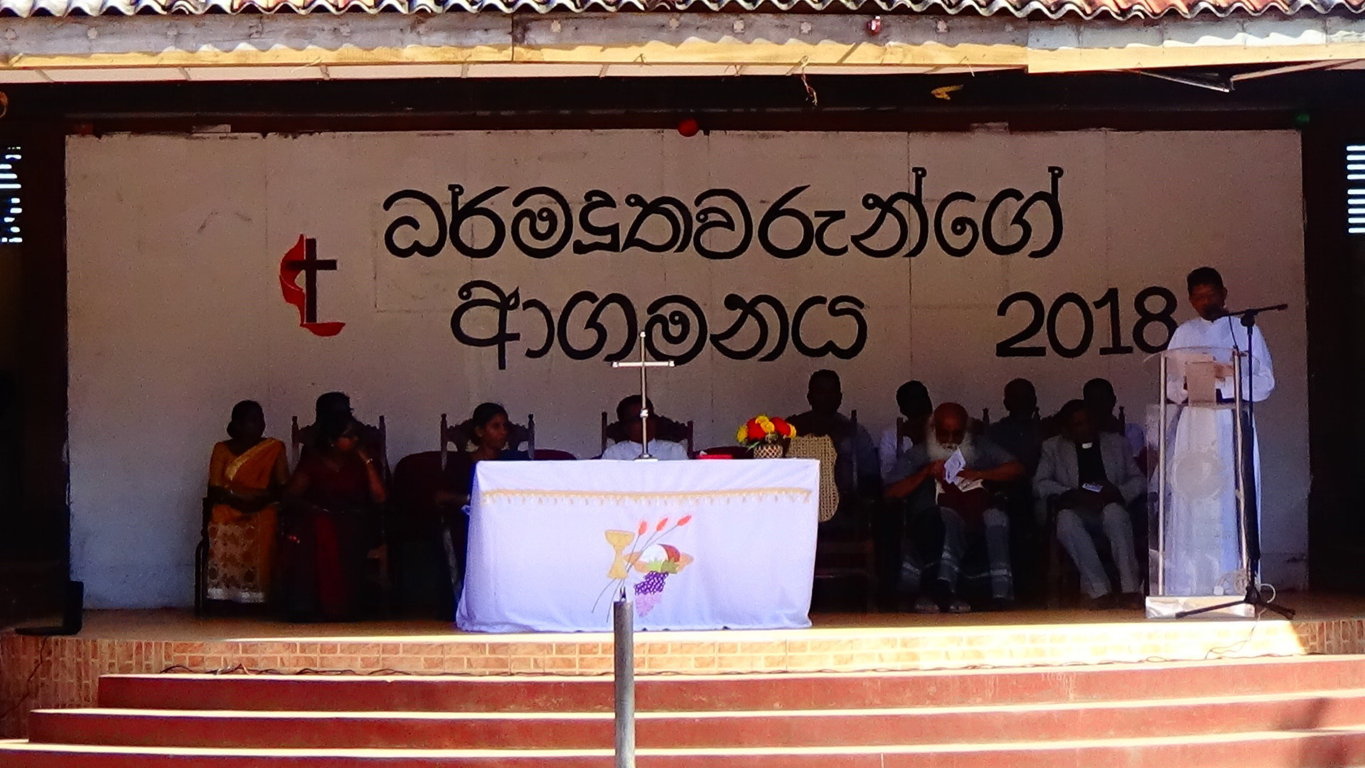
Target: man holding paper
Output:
[
  {"x": 1202, "y": 528},
  {"x": 946, "y": 483}
]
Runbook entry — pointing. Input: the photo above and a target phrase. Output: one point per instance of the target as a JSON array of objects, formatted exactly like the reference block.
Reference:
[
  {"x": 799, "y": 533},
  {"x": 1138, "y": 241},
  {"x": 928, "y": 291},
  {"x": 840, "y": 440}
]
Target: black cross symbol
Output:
[{"x": 310, "y": 265}]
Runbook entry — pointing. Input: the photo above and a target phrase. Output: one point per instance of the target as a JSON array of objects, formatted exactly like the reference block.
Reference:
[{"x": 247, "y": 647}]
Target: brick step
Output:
[
  {"x": 797, "y": 728},
  {"x": 721, "y": 693},
  {"x": 1304, "y": 748}
]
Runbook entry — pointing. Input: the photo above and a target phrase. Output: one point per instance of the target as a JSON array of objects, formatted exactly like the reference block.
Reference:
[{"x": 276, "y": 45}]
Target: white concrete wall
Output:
[{"x": 176, "y": 313}]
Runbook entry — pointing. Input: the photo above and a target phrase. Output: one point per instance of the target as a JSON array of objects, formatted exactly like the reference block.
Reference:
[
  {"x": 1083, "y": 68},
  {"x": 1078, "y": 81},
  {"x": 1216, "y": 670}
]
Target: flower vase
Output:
[{"x": 765, "y": 450}]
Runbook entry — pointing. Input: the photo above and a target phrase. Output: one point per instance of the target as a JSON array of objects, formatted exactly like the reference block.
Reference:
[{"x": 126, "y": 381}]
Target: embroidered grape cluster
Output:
[{"x": 649, "y": 591}]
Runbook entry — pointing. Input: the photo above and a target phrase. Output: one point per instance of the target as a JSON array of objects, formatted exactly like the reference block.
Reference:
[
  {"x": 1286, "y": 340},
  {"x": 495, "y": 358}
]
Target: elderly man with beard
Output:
[{"x": 942, "y": 514}]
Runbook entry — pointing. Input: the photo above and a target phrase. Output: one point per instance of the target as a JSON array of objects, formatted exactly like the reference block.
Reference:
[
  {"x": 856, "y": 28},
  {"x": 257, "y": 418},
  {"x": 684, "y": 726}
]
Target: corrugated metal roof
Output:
[{"x": 1054, "y": 9}]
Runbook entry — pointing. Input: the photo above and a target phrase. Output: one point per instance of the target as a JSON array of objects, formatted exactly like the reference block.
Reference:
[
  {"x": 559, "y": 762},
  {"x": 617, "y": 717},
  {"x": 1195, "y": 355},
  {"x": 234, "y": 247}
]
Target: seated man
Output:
[
  {"x": 1021, "y": 433},
  {"x": 1100, "y": 401},
  {"x": 628, "y": 414},
  {"x": 1092, "y": 476},
  {"x": 942, "y": 514},
  {"x": 912, "y": 400},
  {"x": 856, "y": 468},
  {"x": 915, "y": 407}
]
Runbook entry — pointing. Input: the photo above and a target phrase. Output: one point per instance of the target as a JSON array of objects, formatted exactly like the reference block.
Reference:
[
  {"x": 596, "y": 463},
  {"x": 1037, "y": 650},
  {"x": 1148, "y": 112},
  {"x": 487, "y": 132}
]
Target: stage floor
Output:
[
  {"x": 179, "y": 625},
  {"x": 62, "y": 671}
]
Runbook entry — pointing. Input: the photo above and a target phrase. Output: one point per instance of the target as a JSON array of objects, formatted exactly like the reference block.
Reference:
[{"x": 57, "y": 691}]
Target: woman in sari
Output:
[
  {"x": 246, "y": 473},
  {"x": 331, "y": 524}
]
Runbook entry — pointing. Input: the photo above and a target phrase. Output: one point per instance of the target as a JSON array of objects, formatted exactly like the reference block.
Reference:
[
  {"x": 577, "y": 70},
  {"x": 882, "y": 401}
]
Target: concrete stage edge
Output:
[{"x": 62, "y": 671}]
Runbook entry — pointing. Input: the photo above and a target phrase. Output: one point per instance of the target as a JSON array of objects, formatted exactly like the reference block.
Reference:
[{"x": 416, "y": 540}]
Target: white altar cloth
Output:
[{"x": 697, "y": 544}]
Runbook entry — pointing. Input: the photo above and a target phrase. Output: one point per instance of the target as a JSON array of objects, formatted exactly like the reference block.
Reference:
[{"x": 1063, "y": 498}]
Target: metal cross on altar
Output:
[{"x": 644, "y": 365}]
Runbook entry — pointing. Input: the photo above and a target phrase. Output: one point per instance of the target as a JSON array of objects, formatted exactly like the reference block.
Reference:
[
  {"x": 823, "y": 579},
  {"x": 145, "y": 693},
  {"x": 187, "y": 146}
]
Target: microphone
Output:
[{"x": 1257, "y": 310}]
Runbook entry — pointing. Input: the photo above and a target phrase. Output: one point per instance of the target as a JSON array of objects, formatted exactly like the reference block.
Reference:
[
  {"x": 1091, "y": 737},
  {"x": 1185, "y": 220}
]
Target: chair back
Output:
[
  {"x": 668, "y": 429},
  {"x": 551, "y": 454},
  {"x": 383, "y": 446},
  {"x": 295, "y": 442},
  {"x": 853, "y": 417},
  {"x": 300, "y": 436},
  {"x": 416, "y": 479},
  {"x": 821, "y": 449}
]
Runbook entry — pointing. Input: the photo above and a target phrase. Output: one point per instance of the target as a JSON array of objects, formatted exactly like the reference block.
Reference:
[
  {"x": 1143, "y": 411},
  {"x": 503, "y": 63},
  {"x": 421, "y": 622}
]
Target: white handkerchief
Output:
[{"x": 954, "y": 465}]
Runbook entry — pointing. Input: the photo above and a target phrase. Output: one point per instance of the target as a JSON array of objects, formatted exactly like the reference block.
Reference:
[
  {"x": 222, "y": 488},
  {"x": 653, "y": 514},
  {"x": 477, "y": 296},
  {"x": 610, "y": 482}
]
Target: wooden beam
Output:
[{"x": 384, "y": 45}]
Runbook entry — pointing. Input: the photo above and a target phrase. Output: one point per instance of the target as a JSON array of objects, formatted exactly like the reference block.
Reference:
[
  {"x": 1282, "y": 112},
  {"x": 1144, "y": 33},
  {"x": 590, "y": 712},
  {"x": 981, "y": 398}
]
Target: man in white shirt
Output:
[
  {"x": 912, "y": 400},
  {"x": 628, "y": 413},
  {"x": 1202, "y": 547}
]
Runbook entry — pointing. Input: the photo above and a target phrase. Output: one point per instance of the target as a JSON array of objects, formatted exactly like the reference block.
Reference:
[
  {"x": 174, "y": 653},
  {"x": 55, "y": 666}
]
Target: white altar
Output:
[{"x": 698, "y": 545}]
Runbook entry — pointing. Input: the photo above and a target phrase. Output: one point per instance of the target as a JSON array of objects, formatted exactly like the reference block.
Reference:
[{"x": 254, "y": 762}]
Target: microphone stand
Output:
[{"x": 1251, "y": 504}]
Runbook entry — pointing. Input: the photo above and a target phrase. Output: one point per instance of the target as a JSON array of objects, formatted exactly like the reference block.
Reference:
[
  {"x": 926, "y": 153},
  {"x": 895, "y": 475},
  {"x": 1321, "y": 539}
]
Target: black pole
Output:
[{"x": 623, "y": 642}]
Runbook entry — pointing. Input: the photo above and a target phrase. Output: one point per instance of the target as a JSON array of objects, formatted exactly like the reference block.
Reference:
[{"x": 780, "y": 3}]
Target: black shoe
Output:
[
  {"x": 1105, "y": 602},
  {"x": 1133, "y": 601}
]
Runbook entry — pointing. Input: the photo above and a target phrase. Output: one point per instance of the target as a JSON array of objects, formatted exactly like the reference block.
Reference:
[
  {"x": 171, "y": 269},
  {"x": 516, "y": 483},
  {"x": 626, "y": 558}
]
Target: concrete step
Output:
[
  {"x": 795, "y": 728},
  {"x": 737, "y": 692},
  {"x": 1300, "y": 748}
]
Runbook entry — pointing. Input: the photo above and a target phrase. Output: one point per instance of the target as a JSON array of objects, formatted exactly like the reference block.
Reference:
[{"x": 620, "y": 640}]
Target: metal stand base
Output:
[{"x": 1253, "y": 598}]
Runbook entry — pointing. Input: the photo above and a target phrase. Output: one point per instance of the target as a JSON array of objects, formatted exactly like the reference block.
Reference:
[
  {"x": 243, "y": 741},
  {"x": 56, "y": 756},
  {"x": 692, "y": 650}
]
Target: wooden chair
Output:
[
  {"x": 552, "y": 454},
  {"x": 1063, "y": 579},
  {"x": 668, "y": 429},
  {"x": 845, "y": 551},
  {"x": 424, "y": 551},
  {"x": 201, "y": 561},
  {"x": 459, "y": 436},
  {"x": 299, "y": 437},
  {"x": 378, "y": 437}
]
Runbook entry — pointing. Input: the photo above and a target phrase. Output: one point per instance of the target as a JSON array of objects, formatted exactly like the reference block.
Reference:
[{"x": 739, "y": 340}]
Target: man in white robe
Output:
[{"x": 1202, "y": 528}]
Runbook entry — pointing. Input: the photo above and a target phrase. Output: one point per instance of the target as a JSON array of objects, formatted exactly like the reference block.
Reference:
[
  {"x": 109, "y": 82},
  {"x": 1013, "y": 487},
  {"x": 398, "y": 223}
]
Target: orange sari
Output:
[{"x": 242, "y": 544}]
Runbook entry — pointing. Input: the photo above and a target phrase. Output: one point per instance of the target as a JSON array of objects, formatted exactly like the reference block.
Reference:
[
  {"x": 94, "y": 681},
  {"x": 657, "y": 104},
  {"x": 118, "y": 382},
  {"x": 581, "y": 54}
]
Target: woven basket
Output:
[
  {"x": 768, "y": 451},
  {"x": 822, "y": 450}
]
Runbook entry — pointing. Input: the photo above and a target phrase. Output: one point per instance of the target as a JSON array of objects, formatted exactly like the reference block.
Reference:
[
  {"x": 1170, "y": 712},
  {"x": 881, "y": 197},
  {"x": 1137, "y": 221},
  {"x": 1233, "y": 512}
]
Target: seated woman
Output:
[
  {"x": 330, "y": 524},
  {"x": 628, "y": 448},
  {"x": 246, "y": 473},
  {"x": 489, "y": 429}
]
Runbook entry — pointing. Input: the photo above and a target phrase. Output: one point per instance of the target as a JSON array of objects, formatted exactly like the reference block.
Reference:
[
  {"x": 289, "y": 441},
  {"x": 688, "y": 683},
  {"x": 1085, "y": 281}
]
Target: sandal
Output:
[{"x": 925, "y": 605}]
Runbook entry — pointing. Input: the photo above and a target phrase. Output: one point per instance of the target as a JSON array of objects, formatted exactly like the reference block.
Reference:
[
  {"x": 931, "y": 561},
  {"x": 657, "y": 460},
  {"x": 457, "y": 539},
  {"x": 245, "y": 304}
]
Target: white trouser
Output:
[{"x": 1074, "y": 532}]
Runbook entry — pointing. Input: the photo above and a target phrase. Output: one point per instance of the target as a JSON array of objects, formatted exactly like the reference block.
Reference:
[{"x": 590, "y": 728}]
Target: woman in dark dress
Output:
[
  {"x": 489, "y": 429},
  {"x": 330, "y": 525}
]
